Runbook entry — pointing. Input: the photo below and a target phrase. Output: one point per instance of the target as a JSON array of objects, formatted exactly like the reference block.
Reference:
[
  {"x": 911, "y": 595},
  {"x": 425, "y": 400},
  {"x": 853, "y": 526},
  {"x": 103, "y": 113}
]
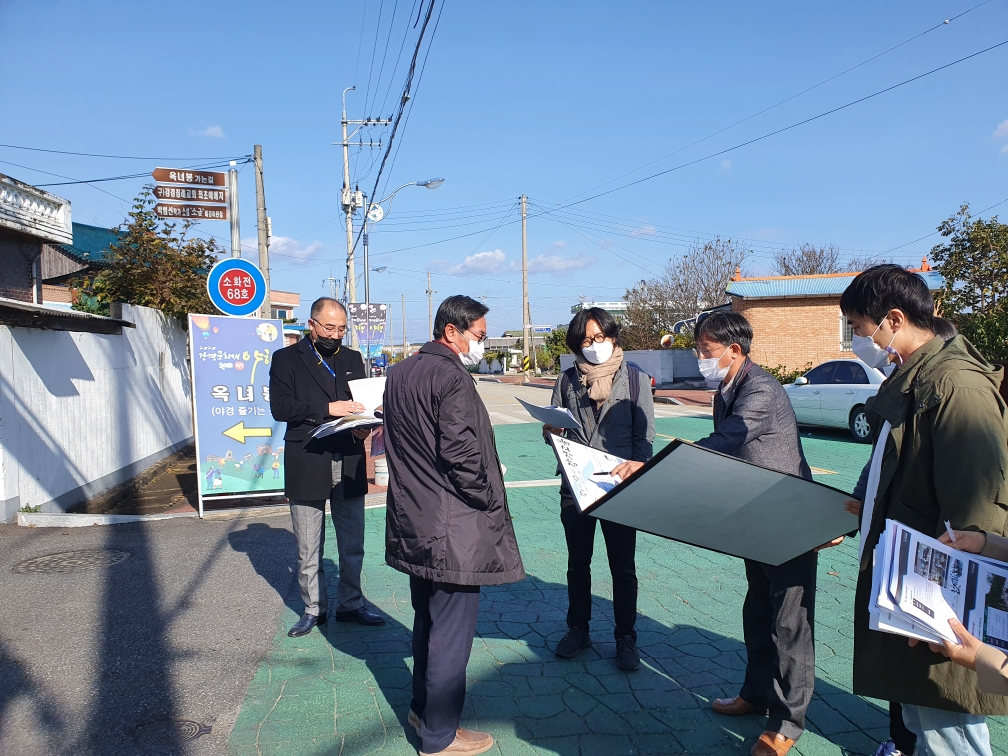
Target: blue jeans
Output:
[{"x": 947, "y": 733}]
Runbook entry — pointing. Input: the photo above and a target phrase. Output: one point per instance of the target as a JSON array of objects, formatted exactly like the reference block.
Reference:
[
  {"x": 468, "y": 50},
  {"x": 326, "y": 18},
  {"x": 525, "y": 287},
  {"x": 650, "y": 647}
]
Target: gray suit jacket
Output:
[{"x": 756, "y": 423}]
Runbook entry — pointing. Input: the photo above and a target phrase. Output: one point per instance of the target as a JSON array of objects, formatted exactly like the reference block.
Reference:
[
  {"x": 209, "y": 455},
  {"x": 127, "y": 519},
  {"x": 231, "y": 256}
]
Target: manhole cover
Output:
[
  {"x": 72, "y": 561},
  {"x": 169, "y": 733}
]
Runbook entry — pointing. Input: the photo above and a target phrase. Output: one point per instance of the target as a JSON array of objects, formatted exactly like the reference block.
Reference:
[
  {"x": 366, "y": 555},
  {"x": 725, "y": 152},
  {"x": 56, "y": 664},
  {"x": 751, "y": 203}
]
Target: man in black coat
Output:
[
  {"x": 447, "y": 522},
  {"x": 309, "y": 386}
]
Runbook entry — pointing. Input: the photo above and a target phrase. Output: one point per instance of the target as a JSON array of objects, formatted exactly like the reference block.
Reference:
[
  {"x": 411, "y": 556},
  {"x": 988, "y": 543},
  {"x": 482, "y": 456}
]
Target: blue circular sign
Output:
[{"x": 236, "y": 287}]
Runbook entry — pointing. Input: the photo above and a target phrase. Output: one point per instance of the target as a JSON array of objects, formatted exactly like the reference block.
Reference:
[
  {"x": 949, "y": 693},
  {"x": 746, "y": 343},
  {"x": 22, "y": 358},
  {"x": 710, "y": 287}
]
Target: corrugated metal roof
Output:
[
  {"x": 809, "y": 286},
  {"x": 91, "y": 243}
]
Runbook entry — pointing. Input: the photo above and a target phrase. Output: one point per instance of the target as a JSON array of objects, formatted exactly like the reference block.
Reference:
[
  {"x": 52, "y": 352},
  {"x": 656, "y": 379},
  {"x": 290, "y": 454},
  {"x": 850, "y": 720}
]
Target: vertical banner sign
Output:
[
  {"x": 239, "y": 446},
  {"x": 372, "y": 325}
]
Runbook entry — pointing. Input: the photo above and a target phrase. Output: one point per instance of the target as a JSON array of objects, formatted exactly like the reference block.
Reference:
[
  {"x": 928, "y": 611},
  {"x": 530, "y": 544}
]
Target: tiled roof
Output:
[
  {"x": 832, "y": 284},
  {"x": 91, "y": 243}
]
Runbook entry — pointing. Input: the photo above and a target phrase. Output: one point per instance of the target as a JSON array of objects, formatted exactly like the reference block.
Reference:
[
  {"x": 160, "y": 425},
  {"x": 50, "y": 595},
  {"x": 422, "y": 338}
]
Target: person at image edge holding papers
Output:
[
  {"x": 308, "y": 386},
  {"x": 447, "y": 523},
  {"x": 754, "y": 421},
  {"x": 990, "y": 663},
  {"x": 617, "y": 418},
  {"x": 940, "y": 453}
]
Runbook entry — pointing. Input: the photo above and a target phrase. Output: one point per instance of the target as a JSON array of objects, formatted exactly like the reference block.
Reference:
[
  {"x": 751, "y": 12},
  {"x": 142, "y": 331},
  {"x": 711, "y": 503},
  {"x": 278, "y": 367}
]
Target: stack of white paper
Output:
[
  {"x": 586, "y": 470},
  {"x": 367, "y": 391},
  {"x": 918, "y": 584}
]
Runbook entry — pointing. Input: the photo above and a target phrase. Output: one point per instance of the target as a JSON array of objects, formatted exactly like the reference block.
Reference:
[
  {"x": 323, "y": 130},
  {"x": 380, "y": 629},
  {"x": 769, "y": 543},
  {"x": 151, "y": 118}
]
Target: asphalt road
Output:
[{"x": 88, "y": 659}]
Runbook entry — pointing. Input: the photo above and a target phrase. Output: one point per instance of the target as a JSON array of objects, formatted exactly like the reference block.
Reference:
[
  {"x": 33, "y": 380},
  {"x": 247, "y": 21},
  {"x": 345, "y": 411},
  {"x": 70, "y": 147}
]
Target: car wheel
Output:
[{"x": 860, "y": 428}]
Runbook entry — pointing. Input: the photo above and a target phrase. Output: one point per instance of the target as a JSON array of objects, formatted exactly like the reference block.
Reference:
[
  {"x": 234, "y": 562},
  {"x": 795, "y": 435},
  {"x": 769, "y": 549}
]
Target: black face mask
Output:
[{"x": 327, "y": 346}]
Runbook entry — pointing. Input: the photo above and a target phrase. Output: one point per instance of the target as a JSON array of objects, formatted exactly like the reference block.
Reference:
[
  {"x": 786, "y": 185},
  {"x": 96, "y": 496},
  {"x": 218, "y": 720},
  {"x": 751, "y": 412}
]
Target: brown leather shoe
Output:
[
  {"x": 466, "y": 743},
  {"x": 733, "y": 707},
  {"x": 771, "y": 744}
]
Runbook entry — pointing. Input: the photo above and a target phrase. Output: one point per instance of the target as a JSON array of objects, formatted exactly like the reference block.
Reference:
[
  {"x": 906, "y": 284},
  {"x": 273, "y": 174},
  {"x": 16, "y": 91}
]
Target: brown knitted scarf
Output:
[{"x": 599, "y": 378}]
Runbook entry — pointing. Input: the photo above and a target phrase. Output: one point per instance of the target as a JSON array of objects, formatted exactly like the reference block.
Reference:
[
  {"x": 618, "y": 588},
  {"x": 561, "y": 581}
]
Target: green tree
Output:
[
  {"x": 154, "y": 264},
  {"x": 974, "y": 263}
]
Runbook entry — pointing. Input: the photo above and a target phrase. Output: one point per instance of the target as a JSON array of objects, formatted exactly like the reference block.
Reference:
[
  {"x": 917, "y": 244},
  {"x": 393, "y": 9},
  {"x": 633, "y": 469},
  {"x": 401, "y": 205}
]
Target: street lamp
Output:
[{"x": 375, "y": 213}]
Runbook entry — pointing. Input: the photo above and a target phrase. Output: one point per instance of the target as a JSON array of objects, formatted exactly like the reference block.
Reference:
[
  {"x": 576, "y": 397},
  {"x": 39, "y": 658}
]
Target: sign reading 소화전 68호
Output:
[
  {"x": 239, "y": 446},
  {"x": 236, "y": 287}
]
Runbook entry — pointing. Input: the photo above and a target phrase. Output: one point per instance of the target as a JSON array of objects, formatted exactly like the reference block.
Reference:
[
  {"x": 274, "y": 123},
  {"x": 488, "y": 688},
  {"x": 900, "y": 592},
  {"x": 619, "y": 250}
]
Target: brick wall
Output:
[{"x": 793, "y": 332}]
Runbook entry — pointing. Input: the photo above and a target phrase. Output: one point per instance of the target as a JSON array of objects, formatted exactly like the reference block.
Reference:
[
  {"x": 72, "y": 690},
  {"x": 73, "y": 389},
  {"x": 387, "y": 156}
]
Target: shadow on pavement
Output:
[
  {"x": 16, "y": 680},
  {"x": 520, "y": 690},
  {"x": 272, "y": 552}
]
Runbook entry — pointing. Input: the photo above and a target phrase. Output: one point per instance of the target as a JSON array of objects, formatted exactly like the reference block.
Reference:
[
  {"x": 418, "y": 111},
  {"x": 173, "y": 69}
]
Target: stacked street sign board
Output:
[
  {"x": 919, "y": 584},
  {"x": 190, "y": 195}
]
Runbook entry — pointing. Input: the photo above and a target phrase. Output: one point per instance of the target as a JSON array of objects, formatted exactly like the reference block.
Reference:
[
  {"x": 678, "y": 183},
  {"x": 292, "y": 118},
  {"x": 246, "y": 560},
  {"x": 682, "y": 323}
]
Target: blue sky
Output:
[{"x": 547, "y": 99}]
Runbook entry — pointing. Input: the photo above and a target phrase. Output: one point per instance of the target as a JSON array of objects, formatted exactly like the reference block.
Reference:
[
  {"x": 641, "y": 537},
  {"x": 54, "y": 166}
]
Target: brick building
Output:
[{"x": 796, "y": 320}]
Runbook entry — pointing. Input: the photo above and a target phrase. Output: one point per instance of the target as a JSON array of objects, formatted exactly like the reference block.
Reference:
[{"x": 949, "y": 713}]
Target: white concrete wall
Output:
[
  {"x": 664, "y": 365},
  {"x": 83, "y": 412}
]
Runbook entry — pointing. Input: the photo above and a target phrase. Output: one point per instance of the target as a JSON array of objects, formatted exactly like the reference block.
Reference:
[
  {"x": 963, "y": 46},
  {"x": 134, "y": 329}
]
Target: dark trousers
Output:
[
  {"x": 899, "y": 734},
  {"x": 621, "y": 545},
  {"x": 778, "y": 617},
  {"x": 444, "y": 624}
]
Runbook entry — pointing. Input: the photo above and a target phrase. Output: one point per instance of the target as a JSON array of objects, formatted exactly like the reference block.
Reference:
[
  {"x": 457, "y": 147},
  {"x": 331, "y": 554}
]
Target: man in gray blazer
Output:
[{"x": 754, "y": 421}]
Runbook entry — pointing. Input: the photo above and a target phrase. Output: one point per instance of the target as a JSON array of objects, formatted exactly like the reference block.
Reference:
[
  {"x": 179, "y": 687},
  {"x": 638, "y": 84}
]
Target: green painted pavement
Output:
[{"x": 347, "y": 691}]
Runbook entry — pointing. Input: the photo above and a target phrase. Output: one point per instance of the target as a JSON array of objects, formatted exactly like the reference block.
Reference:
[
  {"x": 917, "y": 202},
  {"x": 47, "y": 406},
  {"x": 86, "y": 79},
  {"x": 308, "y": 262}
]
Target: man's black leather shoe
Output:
[
  {"x": 304, "y": 625},
  {"x": 361, "y": 616}
]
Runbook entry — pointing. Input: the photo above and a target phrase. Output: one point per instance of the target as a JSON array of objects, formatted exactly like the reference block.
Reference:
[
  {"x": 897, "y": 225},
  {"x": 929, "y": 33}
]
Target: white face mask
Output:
[
  {"x": 866, "y": 350},
  {"x": 712, "y": 371},
  {"x": 474, "y": 355},
  {"x": 598, "y": 353}
]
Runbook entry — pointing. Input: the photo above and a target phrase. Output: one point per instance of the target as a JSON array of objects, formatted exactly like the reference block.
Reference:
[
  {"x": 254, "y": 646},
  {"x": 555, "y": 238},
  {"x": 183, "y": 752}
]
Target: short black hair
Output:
[
  {"x": 944, "y": 328},
  {"x": 883, "y": 288},
  {"x": 320, "y": 304},
  {"x": 579, "y": 325},
  {"x": 459, "y": 310},
  {"x": 725, "y": 328}
]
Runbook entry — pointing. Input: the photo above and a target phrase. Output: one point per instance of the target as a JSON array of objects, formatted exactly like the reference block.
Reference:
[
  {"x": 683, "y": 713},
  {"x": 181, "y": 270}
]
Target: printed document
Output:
[
  {"x": 579, "y": 463},
  {"x": 558, "y": 417}
]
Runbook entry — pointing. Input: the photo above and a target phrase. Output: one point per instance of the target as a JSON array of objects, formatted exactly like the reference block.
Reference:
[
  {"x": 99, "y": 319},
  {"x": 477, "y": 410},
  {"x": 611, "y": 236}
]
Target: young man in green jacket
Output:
[{"x": 941, "y": 453}]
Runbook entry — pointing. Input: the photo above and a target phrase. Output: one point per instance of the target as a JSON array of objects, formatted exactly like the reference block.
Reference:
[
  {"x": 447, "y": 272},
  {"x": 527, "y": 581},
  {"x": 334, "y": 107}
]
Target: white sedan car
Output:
[{"x": 834, "y": 393}]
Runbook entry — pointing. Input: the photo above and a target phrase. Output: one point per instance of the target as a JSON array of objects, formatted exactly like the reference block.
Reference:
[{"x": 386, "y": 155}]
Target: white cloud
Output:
[
  {"x": 1002, "y": 129},
  {"x": 726, "y": 165},
  {"x": 558, "y": 264},
  {"x": 286, "y": 248},
  {"x": 645, "y": 230},
  {"x": 1004, "y": 150},
  {"x": 437, "y": 266},
  {"x": 492, "y": 261},
  {"x": 216, "y": 132},
  {"x": 558, "y": 245}
]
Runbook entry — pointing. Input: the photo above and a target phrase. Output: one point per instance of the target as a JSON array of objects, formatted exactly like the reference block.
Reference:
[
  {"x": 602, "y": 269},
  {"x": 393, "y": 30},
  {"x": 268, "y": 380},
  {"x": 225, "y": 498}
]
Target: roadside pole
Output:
[
  {"x": 233, "y": 210},
  {"x": 404, "y": 326},
  {"x": 525, "y": 302},
  {"x": 430, "y": 309},
  {"x": 367, "y": 297},
  {"x": 262, "y": 226}
]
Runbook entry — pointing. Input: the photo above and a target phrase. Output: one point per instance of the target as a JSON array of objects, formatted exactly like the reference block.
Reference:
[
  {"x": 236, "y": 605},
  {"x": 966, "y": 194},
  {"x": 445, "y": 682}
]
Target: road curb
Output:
[{"x": 72, "y": 520}]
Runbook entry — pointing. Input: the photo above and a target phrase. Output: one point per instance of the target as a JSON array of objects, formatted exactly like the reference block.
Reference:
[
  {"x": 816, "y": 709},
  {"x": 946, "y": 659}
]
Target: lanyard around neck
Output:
[{"x": 321, "y": 361}]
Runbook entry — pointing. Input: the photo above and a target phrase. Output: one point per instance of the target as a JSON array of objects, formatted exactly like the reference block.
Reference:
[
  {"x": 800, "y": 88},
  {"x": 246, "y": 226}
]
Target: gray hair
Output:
[{"x": 322, "y": 302}]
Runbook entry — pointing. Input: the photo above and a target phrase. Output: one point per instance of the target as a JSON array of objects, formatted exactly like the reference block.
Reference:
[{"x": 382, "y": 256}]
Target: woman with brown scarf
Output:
[{"x": 611, "y": 399}]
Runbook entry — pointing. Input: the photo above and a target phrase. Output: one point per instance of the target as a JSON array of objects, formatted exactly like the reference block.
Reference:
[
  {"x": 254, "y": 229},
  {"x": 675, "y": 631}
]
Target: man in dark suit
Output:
[
  {"x": 754, "y": 421},
  {"x": 309, "y": 386}
]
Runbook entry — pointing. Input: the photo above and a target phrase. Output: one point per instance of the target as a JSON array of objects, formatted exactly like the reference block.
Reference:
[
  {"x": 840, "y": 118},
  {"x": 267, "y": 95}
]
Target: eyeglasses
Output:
[
  {"x": 330, "y": 329},
  {"x": 480, "y": 339},
  {"x": 599, "y": 338}
]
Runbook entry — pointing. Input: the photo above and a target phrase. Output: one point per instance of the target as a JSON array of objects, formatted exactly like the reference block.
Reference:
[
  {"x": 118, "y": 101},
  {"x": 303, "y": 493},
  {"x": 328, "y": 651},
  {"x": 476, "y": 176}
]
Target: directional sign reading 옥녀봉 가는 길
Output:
[{"x": 197, "y": 198}]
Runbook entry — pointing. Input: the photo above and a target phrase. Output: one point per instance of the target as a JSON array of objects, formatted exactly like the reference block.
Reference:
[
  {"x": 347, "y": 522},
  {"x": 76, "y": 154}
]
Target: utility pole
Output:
[
  {"x": 262, "y": 225},
  {"x": 232, "y": 180},
  {"x": 351, "y": 200},
  {"x": 526, "y": 324},
  {"x": 404, "y": 326},
  {"x": 430, "y": 309}
]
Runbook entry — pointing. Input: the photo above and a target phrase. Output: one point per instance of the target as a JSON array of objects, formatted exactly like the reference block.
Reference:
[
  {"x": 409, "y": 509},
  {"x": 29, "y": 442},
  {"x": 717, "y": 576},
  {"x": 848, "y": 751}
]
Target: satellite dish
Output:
[{"x": 375, "y": 213}]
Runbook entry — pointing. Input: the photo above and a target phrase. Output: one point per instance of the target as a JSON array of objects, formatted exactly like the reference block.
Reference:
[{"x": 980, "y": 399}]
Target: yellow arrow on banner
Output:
[{"x": 239, "y": 432}]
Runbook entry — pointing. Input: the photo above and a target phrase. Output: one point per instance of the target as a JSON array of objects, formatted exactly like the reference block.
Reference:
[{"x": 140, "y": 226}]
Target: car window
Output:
[
  {"x": 849, "y": 372},
  {"x": 821, "y": 374}
]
